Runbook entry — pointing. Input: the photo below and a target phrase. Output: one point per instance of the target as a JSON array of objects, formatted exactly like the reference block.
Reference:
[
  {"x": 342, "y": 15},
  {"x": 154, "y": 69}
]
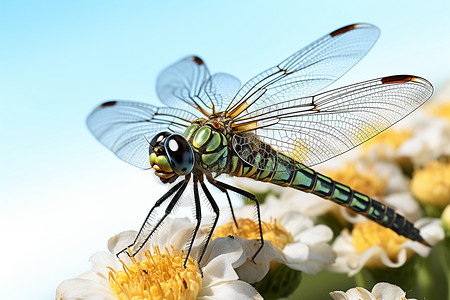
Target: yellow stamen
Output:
[
  {"x": 158, "y": 276},
  {"x": 248, "y": 229},
  {"x": 363, "y": 181},
  {"x": 431, "y": 184},
  {"x": 369, "y": 234},
  {"x": 392, "y": 138},
  {"x": 442, "y": 110}
]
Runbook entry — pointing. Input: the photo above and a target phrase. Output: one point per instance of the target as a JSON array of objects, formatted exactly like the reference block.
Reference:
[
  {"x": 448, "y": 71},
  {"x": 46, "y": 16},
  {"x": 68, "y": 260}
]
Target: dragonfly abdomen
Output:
[
  {"x": 360, "y": 203},
  {"x": 307, "y": 180}
]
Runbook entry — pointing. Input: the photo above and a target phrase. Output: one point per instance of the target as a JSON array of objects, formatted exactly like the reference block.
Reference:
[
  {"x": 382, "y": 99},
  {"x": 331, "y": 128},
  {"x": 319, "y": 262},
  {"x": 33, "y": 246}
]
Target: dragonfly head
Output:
[{"x": 170, "y": 156}]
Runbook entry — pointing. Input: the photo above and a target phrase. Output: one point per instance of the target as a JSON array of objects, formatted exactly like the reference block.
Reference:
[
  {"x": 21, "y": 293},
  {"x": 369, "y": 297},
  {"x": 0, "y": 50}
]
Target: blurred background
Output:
[{"x": 62, "y": 193}]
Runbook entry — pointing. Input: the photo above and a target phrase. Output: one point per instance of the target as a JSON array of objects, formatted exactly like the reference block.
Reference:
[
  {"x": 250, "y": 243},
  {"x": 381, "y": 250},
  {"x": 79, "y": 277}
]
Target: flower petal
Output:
[
  {"x": 317, "y": 257},
  {"x": 357, "y": 293},
  {"x": 218, "y": 261},
  {"x": 383, "y": 290},
  {"x": 339, "y": 295},
  {"x": 253, "y": 271},
  {"x": 317, "y": 234},
  {"x": 233, "y": 290},
  {"x": 78, "y": 288}
]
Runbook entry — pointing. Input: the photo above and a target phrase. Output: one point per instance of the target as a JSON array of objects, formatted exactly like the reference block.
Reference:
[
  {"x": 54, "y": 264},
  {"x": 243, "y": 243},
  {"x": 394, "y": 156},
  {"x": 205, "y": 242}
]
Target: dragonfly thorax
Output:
[{"x": 209, "y": 141}]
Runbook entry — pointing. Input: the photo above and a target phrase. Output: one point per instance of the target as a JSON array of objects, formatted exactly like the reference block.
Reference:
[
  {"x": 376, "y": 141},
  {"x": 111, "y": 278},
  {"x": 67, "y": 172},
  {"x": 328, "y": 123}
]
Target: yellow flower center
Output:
[
  {"x": 442, "y": 110},
  {"x": 431, "y": 184},
  {"x": 158, "y": 276},
  {"x": 392, "y": 138},
  {"x": 369, "y": 234},
  {"x": 364, "y": 181},
  {"x": 248, "y": 229}
]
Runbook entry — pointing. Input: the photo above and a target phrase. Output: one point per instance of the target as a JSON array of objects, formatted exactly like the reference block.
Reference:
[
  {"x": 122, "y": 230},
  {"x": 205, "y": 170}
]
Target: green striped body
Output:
[
  {"x": 213, "y": 152},
  {"x": 310, "y": 181},
  {"x": 210, "y": 147}
]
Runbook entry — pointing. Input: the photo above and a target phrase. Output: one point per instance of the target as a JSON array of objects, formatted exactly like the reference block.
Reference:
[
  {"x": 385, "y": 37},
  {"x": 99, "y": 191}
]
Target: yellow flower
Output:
[
  {"x": 290, "y": 239},
  {"x": 161, "y": 274},
  {"x": 158, "y": 276},
  {"x": 386, "y": 145},
  {"x": 391, "y": 138},
  {"x": 374, "y": 246},
  {"x": 363, "y": 181},
  {"x": 369, "y": 234},
  {"x": 442, "y": 110},
  {"x": 273, "y": 231},
  {"x": 431, "y": 184}
]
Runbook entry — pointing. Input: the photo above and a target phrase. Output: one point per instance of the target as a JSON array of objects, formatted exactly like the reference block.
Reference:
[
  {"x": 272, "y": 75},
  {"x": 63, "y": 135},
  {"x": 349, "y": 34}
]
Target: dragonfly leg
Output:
[
  {"x": 198, "y": 217},
  {"x": 252, "y": 198},
  {"x": 216, "y": 210},
  {"x": 230, "y": 204},
  {"x": 179, "y": 189}
]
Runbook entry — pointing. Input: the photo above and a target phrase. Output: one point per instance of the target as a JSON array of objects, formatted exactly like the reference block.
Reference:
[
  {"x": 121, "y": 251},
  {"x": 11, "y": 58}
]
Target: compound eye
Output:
[
  {"x": 179, "y": 154},
  {"x": 158, "y": 138}
]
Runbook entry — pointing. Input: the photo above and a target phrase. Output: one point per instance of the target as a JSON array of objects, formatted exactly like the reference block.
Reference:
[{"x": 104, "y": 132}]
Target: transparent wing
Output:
[
  {"x": 314, "y": 129},
  {"x": 220, "y": 89},
  {"x": 122, "y": 127},
  {"x": 308, "y": 70},
  {"x": 182, "y": 85},
  {"x": 188, "y": 85}
]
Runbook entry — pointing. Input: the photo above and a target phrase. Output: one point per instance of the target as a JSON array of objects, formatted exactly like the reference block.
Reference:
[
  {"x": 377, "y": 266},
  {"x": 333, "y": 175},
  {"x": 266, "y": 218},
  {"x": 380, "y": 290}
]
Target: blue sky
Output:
[{"x": 62, "y": 193}]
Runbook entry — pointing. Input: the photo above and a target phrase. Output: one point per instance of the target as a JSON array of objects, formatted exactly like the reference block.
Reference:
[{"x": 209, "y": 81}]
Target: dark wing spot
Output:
[
  {"x": 198, "y": 60},
  {"x": 343, "y": 30},
  {"x": 109, "y": 103},
  {"x": 185, "y": 284},
  {"x": 396, "y": 79}
]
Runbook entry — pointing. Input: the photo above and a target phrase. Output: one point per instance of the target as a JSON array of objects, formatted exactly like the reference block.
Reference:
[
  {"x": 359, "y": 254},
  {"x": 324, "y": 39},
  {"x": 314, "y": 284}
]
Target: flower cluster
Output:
[
  {"x": 407, "y": 167},
  {"x": 226, "y": 270}
]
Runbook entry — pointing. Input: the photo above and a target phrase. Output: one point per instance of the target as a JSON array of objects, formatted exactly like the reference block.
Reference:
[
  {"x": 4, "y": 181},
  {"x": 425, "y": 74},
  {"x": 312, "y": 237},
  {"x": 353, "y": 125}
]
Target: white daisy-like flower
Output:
[
  {"x": 420, "y": 138},
  {"x": 387, "y": 145},
  {"x": 381, "y": 291},
  {"x": 289, "y": 238},
  {"x": 374, "y": 246},
  {"x": 431, "y": 139},
  {"x": 307, "y": 204},
  {"x": 160, "y": 274}
]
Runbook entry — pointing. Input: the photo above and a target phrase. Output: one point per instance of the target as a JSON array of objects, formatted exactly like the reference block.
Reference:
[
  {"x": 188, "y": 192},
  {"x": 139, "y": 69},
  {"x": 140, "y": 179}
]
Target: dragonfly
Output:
[{"x": 273, "y": 128}]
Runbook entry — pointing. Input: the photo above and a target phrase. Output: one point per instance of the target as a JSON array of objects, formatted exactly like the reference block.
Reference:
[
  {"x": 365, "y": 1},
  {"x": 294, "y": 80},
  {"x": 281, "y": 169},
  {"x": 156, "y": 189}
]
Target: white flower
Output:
[
  {"x": 307, "y": 204},
  {"x": 219, "y": 278},
  {"x": 431, "y": 140},
  {"x": 423, "y": 136},
  {"x": 289, "y": 238},
  {"x": 381, "y": 291},
  {"x": 374, "y": 246}
]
